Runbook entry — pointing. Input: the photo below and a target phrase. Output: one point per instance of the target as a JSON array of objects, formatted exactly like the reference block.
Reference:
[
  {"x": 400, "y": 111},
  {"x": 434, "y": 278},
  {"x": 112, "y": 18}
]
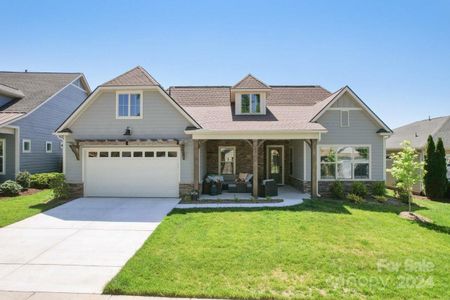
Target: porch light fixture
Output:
[{"x": 127, "y": 131}]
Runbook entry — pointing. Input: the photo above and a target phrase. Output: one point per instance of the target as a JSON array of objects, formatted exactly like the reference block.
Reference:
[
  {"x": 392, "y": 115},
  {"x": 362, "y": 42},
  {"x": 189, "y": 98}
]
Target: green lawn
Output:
[
  {"x": 13, "y": 209},
  {"x": 321, "y": 248}
]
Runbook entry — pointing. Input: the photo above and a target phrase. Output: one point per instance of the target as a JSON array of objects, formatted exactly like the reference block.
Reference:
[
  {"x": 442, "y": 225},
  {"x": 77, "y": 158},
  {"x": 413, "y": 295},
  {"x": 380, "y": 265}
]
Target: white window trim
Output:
[
  {"x": 340, "y": 146},
  {"x": 141, "y": 102},
  {"x": 23, "y": 145},
  {"x": 291, "y": 161},
  {"x": 342, "y": 117},
  {"x": 51, "y": 147},
  {"x": 261, "y": 112},
  {"x": 234, "y": 161},
  {"x": 3, "y": 156}
]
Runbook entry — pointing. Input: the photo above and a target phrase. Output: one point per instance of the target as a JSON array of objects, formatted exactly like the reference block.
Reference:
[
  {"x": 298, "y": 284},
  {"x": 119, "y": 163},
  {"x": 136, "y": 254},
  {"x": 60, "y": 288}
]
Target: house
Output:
[
  {"x": 32, "y": 105},
  {"x": 131, "y": 137},
  {"x": 417, "y": 133}
]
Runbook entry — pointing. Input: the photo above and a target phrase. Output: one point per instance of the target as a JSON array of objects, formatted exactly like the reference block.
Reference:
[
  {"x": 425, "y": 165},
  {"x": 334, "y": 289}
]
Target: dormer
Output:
[{"x": 249, "y": 96}]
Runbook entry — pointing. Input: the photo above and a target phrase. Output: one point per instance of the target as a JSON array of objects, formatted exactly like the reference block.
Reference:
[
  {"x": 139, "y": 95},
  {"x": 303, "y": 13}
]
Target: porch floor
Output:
[{"x": 288, "y": 194}]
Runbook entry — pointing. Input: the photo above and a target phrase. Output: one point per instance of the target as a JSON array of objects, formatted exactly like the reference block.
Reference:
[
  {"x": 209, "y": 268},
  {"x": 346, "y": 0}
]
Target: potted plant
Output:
[{"x": 194, "y": 195}]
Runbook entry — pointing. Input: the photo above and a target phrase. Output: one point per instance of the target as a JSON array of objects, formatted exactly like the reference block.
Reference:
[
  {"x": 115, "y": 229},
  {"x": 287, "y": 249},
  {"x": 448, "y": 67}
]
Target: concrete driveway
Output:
[{"x": 79, "y": 246}]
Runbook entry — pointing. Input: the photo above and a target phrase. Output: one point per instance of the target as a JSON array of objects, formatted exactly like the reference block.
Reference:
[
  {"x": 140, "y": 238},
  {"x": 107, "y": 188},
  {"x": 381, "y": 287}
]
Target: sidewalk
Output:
[{"x": 68, "y": 296}]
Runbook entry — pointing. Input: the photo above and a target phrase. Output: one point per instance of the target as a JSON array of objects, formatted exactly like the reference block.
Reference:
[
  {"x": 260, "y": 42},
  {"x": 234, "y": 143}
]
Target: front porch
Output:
[{"x": 291, "y": 163}]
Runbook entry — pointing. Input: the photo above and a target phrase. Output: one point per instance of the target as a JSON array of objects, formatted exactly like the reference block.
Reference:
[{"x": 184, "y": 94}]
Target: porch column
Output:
[
  {"x": 314, "y": 182},
  {"x": 255, "y": 168},
  {"x": 196, "y": 164}
]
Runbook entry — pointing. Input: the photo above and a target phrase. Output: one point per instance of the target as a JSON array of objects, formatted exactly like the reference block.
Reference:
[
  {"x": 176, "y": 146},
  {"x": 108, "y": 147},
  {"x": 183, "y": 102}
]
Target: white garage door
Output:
[{"x": 131, "y": 172}]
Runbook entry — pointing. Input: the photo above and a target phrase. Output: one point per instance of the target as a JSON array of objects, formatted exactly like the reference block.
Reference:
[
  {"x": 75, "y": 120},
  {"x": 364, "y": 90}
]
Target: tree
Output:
[
  {"x": 406, "y": 169},
  {"x": 429, "y": 176},
  {"x": 441, "y": 169}
]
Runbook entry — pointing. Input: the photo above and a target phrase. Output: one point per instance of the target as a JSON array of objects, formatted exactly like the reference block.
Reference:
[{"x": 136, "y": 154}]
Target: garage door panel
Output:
[{"x": 131, "y": 176}]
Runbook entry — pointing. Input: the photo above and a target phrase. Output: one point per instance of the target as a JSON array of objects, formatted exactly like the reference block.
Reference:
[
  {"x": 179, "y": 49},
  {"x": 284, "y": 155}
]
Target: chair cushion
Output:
[
  {"x": 249, "y": 177},
  {"x": 242, "y": 176}
]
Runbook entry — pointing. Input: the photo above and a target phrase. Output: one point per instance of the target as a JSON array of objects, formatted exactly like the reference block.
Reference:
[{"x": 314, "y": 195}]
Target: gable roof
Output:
[
  {"x": 250, "y": 82},
  {"x": 418, "y": 132},
  {"x": 288, "y": 108},
  {"x": 324, "y": 105},
  {"x": 36, "y": 87},
  {"x": 137, "y": 76}
]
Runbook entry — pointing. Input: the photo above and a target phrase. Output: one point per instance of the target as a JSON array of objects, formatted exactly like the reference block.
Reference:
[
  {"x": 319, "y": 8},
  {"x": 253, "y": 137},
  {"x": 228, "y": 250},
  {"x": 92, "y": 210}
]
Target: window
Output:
[
  {"x": 291, "y": 161},
  {"x": 48, "y": 147},
  {"x": 149, "y": 154},
  {"x": 137, "y": 154},
  {"x": 345, "y": 118},
  {"x": 126, "y": 154},
  {"x": 227, "y": 162},
  {"x": 161, "y": 154},
  {"x": 115, "y": 154},
  {"x": 26, "y": 146},
  {"x": 250, "y": 104},
  {"x": 92, "y": 154},
  {"x": 2, "y": 156},
  {"x": 172, "y": 154},
  {"x": 345, "y": 162},
  {"x": 104, "y": 154},
  {"x": 129, "y": 105}
]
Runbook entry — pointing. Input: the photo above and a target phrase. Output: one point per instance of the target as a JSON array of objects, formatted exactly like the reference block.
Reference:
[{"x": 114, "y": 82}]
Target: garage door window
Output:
[
  {"x": 149, "y": 154},
  {"x": 115, "y": 154},
  {"x": 172, "y": 154},
  {"x": 126, "y": 154},
  {"x": 92, "y": 154},
  {"x": 161, "y": 154},
  {"x": 137, "y": 154},
  {"x": 104, "y": 154}
]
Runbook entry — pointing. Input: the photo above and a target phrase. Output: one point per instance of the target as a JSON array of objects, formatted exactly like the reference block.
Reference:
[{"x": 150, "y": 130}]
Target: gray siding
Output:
[
  {"x": 39, "y": 127},
  {"x": 10, "y": 157},
  {"x": 302, "y": 156},
  {"x": 362, "y": 130},
  {"x": 160, "y": 120},
  {"x": 345, "y": 101}
]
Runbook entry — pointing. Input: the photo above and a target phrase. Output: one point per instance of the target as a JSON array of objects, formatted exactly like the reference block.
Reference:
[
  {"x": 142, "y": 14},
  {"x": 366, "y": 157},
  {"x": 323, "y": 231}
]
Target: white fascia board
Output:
[
  {"x": 268, "y": 135},
  {"x": 363, "y": 105}
]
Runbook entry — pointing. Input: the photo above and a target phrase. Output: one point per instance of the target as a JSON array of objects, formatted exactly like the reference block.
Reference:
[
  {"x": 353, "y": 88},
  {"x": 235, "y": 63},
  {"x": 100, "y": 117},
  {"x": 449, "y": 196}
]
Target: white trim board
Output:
[
  {"x": 86, "y": 103},
  {"x": 358, "y": 100}
]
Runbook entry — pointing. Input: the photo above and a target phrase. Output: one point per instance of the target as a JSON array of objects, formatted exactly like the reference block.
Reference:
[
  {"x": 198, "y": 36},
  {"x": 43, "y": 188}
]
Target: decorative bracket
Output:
[{"x": 75, "y": 147}]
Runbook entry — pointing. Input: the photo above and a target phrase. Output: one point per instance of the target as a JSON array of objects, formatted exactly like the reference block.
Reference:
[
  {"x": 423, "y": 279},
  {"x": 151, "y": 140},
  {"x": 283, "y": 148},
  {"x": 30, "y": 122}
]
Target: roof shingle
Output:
[
  {"x": 250, "y": 82},
  {"x": 135, "y": 77}
]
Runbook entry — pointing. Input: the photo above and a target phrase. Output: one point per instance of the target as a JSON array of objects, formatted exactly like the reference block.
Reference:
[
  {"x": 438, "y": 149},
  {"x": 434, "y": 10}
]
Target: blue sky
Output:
[{"x": 394, "y": 54}]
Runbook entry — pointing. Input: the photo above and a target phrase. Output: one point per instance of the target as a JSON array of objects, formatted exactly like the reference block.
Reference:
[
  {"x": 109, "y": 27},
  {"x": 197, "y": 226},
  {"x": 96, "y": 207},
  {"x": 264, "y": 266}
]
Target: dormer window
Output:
[
  {"x": 251, "y": 103},
  {"x": 129, "y": 105}
]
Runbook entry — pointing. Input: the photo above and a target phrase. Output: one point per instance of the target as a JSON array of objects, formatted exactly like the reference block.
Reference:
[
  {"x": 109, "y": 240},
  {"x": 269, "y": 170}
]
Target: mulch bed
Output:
[
  {"x": 221, "y": 201},
  {"x": 27, "y": 192}
]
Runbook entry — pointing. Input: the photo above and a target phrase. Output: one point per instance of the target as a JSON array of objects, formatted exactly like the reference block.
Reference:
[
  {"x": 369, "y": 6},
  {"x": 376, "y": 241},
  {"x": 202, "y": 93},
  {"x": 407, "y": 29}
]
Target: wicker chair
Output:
[{"x": 269, "y": 188}]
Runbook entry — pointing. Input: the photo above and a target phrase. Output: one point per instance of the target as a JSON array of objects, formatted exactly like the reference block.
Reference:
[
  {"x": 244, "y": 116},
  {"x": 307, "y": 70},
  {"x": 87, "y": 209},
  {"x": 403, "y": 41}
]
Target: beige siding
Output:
[
  {"x": 362, "y": 131},
  {"x": 346, "y": 101},
  {"x": 160, "y": 120}
]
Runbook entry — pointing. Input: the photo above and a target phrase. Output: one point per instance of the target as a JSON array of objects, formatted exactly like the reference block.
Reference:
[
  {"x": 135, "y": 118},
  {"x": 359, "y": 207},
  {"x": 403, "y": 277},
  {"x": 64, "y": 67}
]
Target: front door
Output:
[{"x": 275, "y": 166}]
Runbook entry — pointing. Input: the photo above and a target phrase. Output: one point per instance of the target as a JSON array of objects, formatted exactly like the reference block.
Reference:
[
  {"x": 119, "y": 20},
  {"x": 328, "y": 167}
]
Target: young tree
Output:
[
  {"x": 406, "y": 169},
  {"x": 441, "y": 169},
  {"x": 429, "y": 176}
]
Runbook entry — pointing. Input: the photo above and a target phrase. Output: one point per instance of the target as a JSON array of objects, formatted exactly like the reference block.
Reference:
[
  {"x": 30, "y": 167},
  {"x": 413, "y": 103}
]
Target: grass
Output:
[
  {"x": 321, "y": 248},
  {"x": 13, "y": 209}
]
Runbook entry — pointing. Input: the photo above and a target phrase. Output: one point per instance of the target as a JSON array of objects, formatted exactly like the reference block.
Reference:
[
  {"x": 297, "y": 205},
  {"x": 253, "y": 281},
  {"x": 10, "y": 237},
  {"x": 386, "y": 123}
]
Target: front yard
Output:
[
  {"x": 13, "y": 209},
  {"x": 321, "y": 248}
]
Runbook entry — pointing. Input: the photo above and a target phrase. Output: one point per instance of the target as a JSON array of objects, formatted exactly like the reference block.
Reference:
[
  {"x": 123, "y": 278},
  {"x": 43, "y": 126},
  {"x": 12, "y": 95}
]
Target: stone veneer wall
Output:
[
  {"x": 301, "y": 185},
  {"x": 76, "y": 190},
  {"x": 186, "y": 188}
]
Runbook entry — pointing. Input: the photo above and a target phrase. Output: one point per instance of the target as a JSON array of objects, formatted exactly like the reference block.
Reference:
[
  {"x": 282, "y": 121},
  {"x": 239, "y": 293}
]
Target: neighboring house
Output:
[
  {"x": 32, "y": 105},
  {"x": 133, "y": 138},
  {"x": 417, "y": 133}
]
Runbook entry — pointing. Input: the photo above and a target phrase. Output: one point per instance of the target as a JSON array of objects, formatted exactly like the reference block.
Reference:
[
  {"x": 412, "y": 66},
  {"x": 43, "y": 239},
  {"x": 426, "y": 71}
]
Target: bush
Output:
[
  {"x": 448, "y": 190},
  {"x": 380, "y": 199},
  {"x": 59, "y": 186},
  {"x": 337, "y": 190},
  {"x": 24, "y": 179},
  {"x": 10, "y": 188},
  {"x": 42, "y": 180},
  {"x": 359, "y": 188},
  {"x": 378, "y": 188},
  {"x": 402, "y": 195},
  {"x": 355, "y": 198}
]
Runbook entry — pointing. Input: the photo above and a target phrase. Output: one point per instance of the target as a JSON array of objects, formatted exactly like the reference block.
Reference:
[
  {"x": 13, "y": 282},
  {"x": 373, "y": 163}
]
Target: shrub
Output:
[
  {"x": 24, "y": 179},
  {"x": 59, "y": 186},
  {"x": 402, "y": 195},
  {"x": 378, "y": 188},
  {"x": 10, "y": 188},
  {"x": 42, "y": 180},
  {"x": 359, "y": 188},
  {"x": 448, "y": 190},
  {"x": 337, "y": 190},
  {"x": 435, "y": 178},
  {"x": 380, "y": 199},
  {"x": 355, "y": 198}
]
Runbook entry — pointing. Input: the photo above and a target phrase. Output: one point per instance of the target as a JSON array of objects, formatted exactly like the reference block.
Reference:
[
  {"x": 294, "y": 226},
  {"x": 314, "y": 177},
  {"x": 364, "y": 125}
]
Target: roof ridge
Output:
[
  {"x": 147, "y": 74},
  {"x": 199, "y": 86},
  {"x": 137, "y": 68},
  {"x": 11, "y": 87},
  {"x": 251, "y": 76},
  {"x": 442, "y": 125}
]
